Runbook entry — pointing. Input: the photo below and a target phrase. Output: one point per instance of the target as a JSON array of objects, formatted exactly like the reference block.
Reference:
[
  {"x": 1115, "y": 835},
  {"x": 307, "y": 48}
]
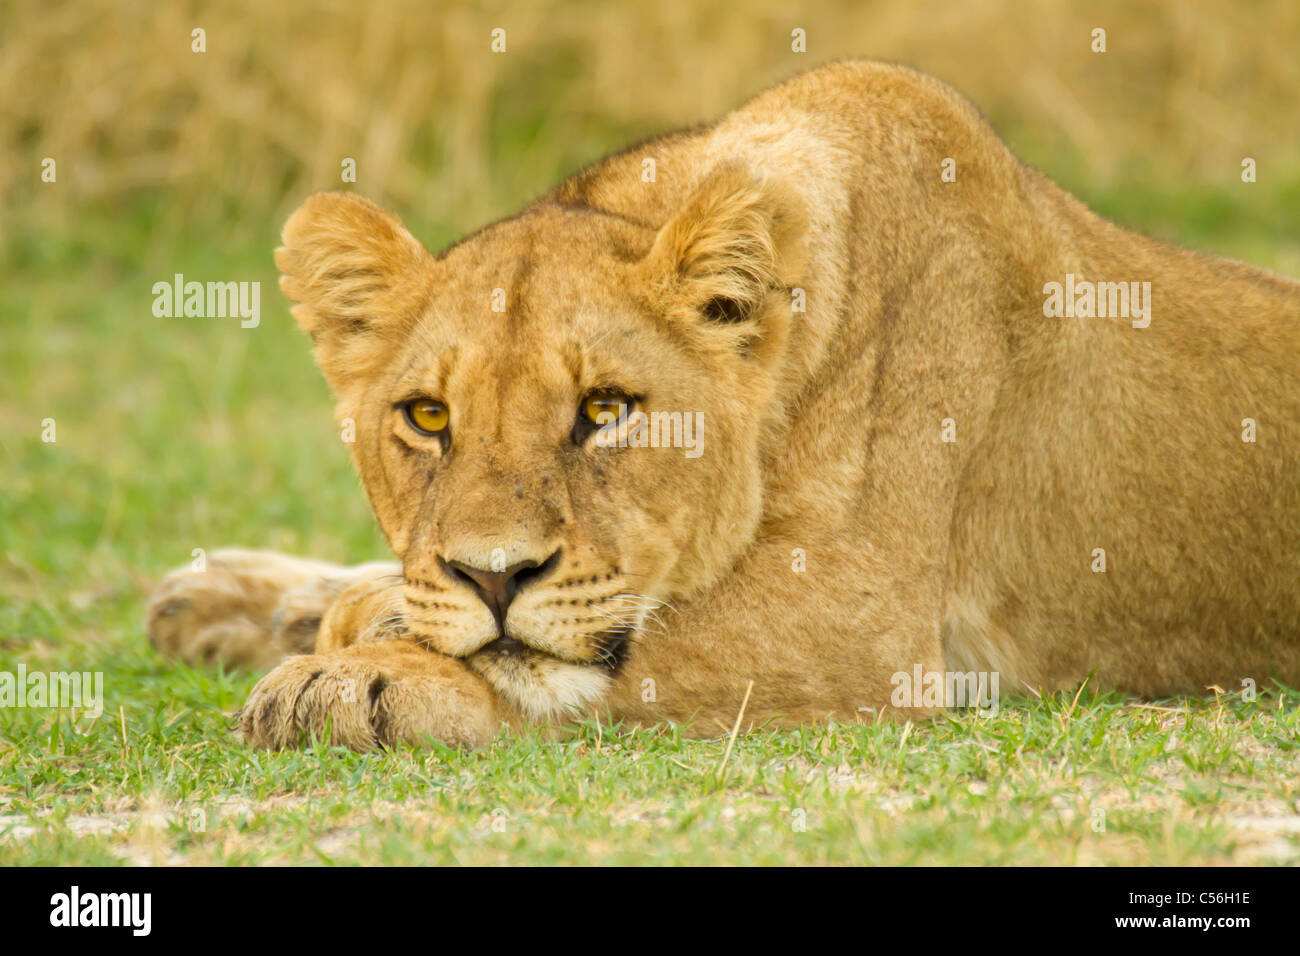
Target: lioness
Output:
[{"x": 943, "y": 420}]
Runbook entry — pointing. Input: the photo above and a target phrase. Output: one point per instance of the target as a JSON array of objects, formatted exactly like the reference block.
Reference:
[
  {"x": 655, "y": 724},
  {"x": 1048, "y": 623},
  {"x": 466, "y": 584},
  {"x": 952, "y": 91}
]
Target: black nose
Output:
[{"x": 497, "y": 589}]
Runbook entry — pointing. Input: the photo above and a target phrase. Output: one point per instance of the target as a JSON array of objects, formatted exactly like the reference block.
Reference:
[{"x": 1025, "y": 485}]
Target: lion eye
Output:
[
  {"x": 426, "y": 416},
  {"x": 605, "y": 408}
]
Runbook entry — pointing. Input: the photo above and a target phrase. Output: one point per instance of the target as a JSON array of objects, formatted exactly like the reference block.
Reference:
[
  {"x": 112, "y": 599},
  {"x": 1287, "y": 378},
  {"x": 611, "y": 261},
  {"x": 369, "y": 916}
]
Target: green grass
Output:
[
  {"x": 175, "y": 434},
  {"x": 159, "y": 779}
]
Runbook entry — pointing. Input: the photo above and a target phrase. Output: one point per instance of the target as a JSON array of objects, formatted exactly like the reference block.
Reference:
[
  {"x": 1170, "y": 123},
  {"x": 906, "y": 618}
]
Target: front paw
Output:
[{"x": 368, "y": 696}]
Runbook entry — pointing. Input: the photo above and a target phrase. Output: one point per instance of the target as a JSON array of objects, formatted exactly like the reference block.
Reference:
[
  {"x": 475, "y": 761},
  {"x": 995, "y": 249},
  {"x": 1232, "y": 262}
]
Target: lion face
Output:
[{"x": 557, "y": 421}]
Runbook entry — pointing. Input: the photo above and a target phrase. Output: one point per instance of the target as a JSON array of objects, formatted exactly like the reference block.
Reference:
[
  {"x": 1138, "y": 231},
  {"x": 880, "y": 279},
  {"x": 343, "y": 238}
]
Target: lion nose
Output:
[{"x": 497, "y": 589}]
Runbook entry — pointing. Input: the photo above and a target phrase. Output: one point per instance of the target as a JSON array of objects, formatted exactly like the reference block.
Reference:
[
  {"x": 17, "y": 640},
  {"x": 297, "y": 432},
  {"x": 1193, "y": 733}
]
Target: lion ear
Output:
[
  {"x": 354, "y": 272},
  {"x": 737, "y": 239}
]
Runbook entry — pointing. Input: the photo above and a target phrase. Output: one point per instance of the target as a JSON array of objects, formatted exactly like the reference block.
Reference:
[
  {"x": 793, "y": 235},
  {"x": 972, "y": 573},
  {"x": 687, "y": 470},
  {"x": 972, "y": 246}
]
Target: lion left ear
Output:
[{"x": 737, "y": 239}]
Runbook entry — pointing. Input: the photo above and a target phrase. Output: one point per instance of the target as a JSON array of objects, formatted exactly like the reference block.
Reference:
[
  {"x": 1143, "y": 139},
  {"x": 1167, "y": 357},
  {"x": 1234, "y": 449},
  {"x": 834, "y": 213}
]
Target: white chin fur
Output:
[{"x": 542, "y": 688}]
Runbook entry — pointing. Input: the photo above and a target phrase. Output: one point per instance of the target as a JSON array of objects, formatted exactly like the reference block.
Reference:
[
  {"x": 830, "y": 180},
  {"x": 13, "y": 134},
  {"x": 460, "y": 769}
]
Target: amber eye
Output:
[
  {"x": 610, "y": 405},
  {"x": 426, "y": 416}
]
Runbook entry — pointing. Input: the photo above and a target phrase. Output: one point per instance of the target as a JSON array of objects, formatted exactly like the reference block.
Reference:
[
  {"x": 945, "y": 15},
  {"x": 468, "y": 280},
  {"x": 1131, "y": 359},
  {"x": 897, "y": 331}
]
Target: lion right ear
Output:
[
  {"x": 355, "y": 273},
  {"x": 738, "y": 238}
]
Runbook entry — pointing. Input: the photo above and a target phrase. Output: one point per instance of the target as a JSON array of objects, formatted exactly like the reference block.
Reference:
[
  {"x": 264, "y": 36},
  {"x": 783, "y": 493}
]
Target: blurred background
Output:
[{"x": 176, "y": 434}]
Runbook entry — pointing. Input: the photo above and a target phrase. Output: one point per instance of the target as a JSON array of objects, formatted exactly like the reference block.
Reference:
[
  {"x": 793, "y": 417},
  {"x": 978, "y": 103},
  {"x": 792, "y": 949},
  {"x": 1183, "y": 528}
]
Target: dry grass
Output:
[{"x": 441, "y": 126}]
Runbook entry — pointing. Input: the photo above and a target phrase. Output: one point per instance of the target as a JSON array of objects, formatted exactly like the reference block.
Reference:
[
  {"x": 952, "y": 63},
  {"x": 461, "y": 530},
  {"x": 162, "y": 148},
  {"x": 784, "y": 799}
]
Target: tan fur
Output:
[
  {"x": 823, "y": 434},
  {"x": 250, "y": 608}
]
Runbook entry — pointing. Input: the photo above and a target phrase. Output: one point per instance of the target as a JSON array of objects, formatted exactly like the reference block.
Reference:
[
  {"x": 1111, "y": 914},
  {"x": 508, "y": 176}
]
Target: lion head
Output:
[{"x": 557, "y": 420}]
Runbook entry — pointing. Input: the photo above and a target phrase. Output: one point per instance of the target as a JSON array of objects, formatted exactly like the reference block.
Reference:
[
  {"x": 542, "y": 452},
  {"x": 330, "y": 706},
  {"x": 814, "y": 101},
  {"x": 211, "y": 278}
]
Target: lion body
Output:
[{"x": 907, "y": 466}]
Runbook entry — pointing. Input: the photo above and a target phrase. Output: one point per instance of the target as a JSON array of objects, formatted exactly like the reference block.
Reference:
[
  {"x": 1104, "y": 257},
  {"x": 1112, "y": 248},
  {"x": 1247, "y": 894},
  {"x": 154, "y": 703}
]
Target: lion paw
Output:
[
  {"x": 367, "y": 696},
  {"x": 246, "y": 608}
]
